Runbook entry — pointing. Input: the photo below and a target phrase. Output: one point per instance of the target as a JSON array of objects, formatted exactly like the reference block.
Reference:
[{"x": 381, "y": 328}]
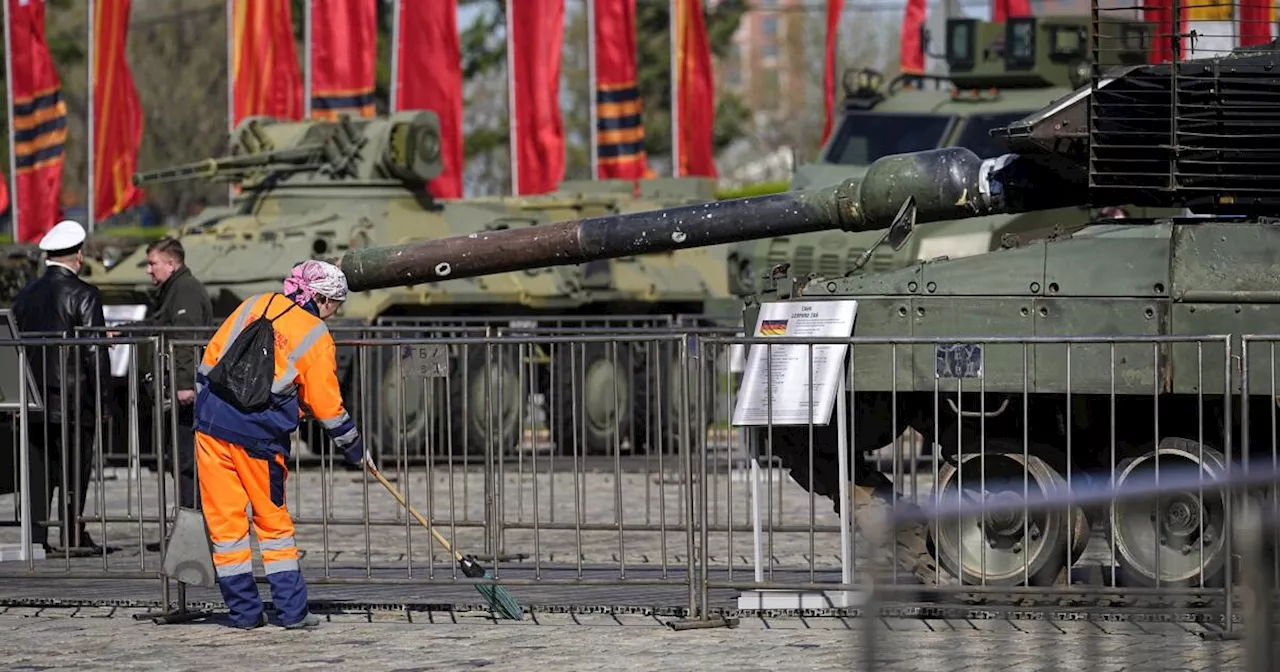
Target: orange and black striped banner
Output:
[
  {"x": 117, "y": 113},
  {"x": 344, "y": 57},
  {"x": 620, "y": 149},
  {"x": 39, "y": 122},
  {"x": 267, "y": 78}
]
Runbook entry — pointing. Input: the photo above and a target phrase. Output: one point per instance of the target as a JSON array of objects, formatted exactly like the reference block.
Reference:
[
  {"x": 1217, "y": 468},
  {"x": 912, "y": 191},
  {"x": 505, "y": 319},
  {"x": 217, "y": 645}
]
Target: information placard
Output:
[
  {"x": 778, "y": 377},
  {"x": 114, "y": 316}
]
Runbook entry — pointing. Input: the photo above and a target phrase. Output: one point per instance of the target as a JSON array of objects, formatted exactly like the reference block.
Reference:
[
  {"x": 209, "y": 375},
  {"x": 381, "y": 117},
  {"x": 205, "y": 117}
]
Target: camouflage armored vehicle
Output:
[
  {"x": 994, "y": 80},
  {"x": 1157, "y": 136},
  {"x": 318, "y": 188}
]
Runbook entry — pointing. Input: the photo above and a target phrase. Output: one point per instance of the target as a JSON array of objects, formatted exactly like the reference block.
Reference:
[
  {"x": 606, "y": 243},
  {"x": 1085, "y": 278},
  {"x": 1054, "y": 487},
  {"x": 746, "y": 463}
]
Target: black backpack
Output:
[{"x": 243, "y": 376}]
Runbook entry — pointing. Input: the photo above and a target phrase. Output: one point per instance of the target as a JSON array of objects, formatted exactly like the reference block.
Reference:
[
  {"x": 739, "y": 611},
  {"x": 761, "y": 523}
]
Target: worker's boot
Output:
[
  {"x": 873, "y": 512},
  {"x": 308, "y": 621}
]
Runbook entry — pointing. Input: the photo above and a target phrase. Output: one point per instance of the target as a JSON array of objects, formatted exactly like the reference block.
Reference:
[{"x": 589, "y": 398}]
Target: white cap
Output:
[{"x": 66, "y": 235}]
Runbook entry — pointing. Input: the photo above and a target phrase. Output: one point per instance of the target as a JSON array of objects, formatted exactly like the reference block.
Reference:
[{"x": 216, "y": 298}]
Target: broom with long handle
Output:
[{"x": 500, "y": 600}]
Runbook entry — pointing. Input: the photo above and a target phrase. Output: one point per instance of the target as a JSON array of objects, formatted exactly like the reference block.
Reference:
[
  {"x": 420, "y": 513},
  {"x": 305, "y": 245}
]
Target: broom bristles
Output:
[{"x": 501, "y": 600}]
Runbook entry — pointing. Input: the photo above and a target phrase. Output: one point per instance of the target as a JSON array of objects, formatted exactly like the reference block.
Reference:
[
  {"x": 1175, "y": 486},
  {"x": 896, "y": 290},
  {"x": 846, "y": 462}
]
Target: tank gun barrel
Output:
[
  {"x": 230, "y": 165},
  {"x": 946, "y": 184}
]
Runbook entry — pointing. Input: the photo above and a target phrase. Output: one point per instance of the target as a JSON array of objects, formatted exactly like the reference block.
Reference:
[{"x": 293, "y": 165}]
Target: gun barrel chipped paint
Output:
[{"x": 943, "y": 182}]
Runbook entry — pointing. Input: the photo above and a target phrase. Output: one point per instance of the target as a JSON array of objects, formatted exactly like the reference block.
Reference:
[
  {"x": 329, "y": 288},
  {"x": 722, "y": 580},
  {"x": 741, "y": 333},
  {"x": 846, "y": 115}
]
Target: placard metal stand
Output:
[{"x": 776, "y": 392}]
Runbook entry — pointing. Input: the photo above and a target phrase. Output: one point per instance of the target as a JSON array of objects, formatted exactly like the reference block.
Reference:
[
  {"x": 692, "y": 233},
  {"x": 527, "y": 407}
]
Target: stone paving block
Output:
[
  {"x": 638, "y": 621},
  {"x": 58, "y": 612},
  {"x": 897, "y": 624},
  {"x": 95, "y": 612},
  {"x": 362, "y": 617},
  {"x": 23, "y": 611},
  {"x": 553, "y": 620},
  {"x": 830, "y": 623}
]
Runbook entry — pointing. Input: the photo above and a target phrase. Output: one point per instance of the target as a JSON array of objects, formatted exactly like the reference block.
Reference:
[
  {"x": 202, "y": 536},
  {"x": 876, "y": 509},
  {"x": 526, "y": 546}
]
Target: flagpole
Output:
[
  {"x": 395, "y": 56},
  {"x": 13, "y": 159},
  {"x": 306, "y": 49},
  {"x": 593, "y": 130},
  {"x": 92, "y": 105},
  {"x": 675, "y": 88},
  {"x": 512, "y": 125},
  {"x": 231, "y": 85}
]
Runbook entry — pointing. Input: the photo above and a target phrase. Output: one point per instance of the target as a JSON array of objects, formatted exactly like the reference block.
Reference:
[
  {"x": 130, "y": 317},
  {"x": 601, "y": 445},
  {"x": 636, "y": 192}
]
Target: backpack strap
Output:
[{"x": 271, "y": 320}]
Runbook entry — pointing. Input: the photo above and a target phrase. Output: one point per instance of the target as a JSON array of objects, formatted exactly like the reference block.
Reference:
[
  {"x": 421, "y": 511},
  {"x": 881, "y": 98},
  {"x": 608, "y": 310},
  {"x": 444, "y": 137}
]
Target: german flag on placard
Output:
[{"x": 773, "y": 328}]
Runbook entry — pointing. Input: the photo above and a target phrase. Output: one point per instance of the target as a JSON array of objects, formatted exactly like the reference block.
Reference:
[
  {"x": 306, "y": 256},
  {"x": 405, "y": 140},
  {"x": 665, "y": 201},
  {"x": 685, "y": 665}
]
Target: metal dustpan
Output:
[{"x": 188, "y": 556}]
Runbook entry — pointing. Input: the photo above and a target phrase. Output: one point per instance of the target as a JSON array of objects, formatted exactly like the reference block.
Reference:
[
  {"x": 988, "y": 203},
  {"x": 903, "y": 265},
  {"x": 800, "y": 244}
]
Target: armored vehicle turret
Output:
[
  {"x": 319, "y": 188},
  {"x": 998, "y": 73},
  {"x": 1184, "y": 136}
]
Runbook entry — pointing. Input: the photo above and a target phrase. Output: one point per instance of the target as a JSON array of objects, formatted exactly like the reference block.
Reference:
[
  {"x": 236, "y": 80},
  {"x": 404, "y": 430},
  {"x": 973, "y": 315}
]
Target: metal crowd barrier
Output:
[{"x": 677, "y": 506}]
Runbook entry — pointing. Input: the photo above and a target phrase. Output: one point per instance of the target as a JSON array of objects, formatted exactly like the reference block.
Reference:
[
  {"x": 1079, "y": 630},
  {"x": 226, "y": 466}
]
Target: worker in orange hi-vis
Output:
[{"x": 255, "y": 374}]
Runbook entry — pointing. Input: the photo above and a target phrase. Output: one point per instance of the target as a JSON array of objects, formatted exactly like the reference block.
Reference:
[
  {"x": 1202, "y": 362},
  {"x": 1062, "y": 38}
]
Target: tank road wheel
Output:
[
  {"x": 407, "y": 424},
  {"x": 1182, "y": 531},
  {"x": 1007, "y": 547},
  {"x": 697, "y": 397},
  {"x": 594, "y": 393},
  {"x": 484, "y": 402}
]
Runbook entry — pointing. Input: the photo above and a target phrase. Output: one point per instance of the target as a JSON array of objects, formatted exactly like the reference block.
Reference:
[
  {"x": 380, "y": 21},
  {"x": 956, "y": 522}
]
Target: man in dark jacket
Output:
[
  {"x": 181, "y": 301},
  {"x": 59, "y": 301}
]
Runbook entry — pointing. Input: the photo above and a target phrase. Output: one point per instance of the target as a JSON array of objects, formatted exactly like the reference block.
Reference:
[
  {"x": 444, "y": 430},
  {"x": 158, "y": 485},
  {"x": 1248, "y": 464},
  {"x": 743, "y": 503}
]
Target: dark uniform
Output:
[
  {"x": 62, "y": 436},
  {"x": 182, "y": 302}
]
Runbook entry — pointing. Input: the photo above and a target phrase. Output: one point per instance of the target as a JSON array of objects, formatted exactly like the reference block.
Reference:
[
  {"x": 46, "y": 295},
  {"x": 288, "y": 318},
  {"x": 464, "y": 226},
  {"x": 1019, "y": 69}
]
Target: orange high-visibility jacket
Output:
[{"x": 306, "y": 370}]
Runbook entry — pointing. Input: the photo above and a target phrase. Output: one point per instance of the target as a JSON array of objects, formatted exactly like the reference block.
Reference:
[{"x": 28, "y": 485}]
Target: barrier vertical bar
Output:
[
  {"x": 703, "y": 619},
  {"x": 24, "y": 465}
]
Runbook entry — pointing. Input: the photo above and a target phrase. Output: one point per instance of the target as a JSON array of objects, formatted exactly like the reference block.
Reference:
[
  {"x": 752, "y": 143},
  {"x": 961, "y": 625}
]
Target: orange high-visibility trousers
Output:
[{"x": 231, "y": 479}]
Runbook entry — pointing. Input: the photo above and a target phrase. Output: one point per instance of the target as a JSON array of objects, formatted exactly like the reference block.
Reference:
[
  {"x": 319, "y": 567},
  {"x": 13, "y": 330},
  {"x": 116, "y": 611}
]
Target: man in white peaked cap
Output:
[
  {"x": 59, "y": 301},
  {"x": 64, "y": 239}
]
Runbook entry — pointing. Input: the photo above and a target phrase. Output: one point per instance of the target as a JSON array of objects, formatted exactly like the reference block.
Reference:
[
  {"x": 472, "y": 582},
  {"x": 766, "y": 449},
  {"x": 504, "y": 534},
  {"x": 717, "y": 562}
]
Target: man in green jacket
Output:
[{"x": 181, "y": 301}]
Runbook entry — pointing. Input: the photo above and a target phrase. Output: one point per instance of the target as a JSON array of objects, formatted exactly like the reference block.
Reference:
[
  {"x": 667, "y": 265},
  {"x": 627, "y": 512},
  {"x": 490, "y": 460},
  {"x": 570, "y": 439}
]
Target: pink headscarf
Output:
[{"x": 316, "y": 277}]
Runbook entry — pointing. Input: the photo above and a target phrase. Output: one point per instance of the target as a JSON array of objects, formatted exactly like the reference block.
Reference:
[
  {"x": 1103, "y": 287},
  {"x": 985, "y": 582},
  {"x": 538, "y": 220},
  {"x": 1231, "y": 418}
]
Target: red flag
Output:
[
  {"x": 696, "y": 92},
  {"x": 344, "y": 56},
  {"x": 265, "y": 63},
  {"x": 1159, "y": 13},
  {"x": 117, "y": 114},
  {"x": 1016, "y": 9},
  {"x": 619, "y": 109},
  {"x": 429, "y": 77},
  {"x": 39, "y": 122},
  {"x": 911, "y": 55},
  {"x": 536, "y": 30},
  {"x": 1256, "y": 19},
  {"x": 834, "y": 8},
  {"x": 4, "y": 192}
]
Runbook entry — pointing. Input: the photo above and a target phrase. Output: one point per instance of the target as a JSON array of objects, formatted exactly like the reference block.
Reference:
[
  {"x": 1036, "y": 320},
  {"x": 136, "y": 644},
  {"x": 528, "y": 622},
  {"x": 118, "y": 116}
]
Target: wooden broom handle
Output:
[{"x": 423, "y": 521}]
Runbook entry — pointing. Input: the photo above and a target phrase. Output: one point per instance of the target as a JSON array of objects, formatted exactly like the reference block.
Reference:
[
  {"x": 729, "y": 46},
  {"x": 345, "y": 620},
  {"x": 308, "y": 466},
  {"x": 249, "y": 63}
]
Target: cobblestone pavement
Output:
[
  {"x": 542, "y": 517},
  {"x": 109, "y": 638}
]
